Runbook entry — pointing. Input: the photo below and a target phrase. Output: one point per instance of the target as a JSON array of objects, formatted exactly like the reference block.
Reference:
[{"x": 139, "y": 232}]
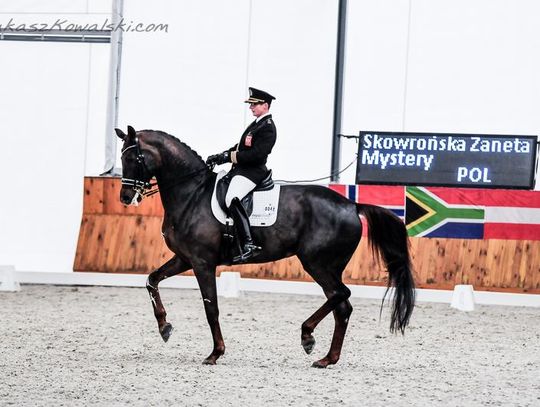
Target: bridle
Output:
[
  {"x": 142, "y": 188},
  {"x": 146, "y": 188}
]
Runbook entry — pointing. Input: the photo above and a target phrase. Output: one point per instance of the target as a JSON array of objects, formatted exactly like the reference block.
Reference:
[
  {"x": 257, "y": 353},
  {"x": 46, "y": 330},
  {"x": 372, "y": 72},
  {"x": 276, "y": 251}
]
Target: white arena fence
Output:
[{"x": 230, "y": 284}]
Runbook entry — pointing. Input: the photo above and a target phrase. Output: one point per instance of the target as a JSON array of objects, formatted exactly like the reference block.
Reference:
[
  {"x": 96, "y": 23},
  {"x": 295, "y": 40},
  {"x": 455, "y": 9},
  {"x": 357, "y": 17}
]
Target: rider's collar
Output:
[{"x": 258, "y": 119}]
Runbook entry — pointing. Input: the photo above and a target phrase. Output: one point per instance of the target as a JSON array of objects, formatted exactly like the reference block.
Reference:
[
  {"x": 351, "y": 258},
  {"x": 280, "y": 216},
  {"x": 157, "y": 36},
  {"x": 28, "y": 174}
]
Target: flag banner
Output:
[
  {"x": 390, "y": 197},
  {"x": 348, "y": 191},
  {"x": 512, "y": 215},
  {"x": 456, "y": 212},
  {"x": 429, "y": 215}
]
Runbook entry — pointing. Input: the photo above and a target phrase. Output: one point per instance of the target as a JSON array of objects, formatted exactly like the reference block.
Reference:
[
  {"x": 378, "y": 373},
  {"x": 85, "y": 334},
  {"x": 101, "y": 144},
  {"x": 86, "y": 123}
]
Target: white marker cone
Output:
[
  {"x": 8, "y": 277},
  {"x": 463, "y": 298},
  {"x": 229, "y": 284}
]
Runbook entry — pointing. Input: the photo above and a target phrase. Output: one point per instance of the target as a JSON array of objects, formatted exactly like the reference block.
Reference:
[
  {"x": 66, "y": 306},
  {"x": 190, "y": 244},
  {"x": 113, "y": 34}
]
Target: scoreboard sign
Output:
[{"x": 465, "y": 160}]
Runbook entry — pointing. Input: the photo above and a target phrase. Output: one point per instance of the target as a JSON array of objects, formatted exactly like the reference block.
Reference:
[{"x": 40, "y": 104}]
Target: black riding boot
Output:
[{"x": 241, "y": 221}]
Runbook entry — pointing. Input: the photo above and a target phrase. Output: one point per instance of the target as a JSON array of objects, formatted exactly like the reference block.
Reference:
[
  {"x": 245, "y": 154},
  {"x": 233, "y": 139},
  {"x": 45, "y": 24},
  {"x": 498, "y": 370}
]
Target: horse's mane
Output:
[{"x": 177, "y": 141}]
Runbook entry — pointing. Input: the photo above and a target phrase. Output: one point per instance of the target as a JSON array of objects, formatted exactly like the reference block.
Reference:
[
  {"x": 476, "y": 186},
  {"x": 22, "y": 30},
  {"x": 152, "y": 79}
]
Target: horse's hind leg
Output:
[
  {"x": 336, "y": 294},
  {"x": 172, "y": 267},
  {"x": 341, "y": 317},
  {"x": 328, "y": 275}
]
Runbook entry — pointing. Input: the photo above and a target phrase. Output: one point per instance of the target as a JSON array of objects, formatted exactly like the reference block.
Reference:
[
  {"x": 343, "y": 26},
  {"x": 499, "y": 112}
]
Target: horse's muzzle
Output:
[{"x": 130, "y": 197}]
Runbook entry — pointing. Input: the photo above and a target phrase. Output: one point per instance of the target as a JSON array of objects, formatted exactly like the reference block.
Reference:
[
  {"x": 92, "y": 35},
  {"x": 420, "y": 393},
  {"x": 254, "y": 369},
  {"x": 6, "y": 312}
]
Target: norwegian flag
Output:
[{"x": 390, "y": 197}]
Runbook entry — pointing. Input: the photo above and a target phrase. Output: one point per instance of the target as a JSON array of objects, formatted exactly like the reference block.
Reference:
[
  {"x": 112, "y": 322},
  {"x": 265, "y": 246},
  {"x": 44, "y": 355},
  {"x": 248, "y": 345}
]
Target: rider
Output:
[{"x": 248, "y": 170}]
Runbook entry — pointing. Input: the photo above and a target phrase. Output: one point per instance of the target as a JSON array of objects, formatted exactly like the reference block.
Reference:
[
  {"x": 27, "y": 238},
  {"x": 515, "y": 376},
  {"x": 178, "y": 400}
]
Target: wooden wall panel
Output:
[
  {"x": 114, "y": 238},
  {"x": 115, "y": 243},
  {"x": 93, "y": 195}
]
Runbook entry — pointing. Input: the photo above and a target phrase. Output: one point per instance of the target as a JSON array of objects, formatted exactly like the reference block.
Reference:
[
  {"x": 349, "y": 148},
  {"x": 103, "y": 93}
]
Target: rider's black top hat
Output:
[{"x": 259, "y": 96}]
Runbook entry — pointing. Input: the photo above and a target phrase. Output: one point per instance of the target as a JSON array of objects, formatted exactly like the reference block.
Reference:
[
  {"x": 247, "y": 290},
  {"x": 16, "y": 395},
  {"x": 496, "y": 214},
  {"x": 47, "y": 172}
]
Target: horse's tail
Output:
[{"x": 388, "y": 239}]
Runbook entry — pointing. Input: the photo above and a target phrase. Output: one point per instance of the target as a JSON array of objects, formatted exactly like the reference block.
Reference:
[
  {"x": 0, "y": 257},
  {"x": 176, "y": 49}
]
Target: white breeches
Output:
[{"x": 239, "y": 187}]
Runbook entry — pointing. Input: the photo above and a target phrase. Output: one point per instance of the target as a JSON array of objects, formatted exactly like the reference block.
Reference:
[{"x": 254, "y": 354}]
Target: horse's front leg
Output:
[
  {"x": 172, "y": 267},
  {"x": 206, "y": 277}
]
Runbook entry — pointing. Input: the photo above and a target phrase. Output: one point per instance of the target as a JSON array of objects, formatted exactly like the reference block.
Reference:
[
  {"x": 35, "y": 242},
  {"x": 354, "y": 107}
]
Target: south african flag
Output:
[{"x": 428, "y": 214}]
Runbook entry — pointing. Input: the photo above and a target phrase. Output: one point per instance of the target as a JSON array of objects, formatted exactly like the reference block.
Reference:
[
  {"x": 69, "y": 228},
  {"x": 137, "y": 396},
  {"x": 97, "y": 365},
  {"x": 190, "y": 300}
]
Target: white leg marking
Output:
[
  {"x": 152, "y": 299},
  {"x": 135, "y": 200},
  {"x": 148, "y": 285}
]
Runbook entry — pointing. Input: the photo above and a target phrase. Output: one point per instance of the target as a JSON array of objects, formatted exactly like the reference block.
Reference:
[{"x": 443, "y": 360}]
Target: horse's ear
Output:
[
  {"x": 131, "y": 132},
  {"x": 120, "y": 134}
]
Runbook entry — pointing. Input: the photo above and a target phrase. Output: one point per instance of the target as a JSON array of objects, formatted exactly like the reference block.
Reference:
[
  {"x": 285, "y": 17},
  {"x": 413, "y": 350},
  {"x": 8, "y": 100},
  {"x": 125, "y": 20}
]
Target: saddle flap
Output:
[
  {"x": 222, "y": 187},
  {"x": 247, "y": 202},
  {"x": 263, "y": 207}
]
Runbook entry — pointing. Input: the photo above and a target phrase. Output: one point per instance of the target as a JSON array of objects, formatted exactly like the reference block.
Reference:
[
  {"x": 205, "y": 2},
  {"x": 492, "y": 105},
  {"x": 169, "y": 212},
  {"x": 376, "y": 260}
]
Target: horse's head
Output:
[{"x": 137, "y": 166}]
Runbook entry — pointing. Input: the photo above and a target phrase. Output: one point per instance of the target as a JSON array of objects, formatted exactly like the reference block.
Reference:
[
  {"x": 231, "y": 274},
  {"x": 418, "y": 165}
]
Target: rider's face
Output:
[{"x": 258, "y": 109}]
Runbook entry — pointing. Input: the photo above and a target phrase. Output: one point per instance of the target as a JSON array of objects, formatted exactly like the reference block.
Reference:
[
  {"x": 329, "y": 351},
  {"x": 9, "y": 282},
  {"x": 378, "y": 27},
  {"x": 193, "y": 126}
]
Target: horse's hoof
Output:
[
  {"x": 209, "y": 361},
  {"x": 308, "y": 344},
  {"x": 320, "y": 364},
  {"x": 166, "y": 331}
]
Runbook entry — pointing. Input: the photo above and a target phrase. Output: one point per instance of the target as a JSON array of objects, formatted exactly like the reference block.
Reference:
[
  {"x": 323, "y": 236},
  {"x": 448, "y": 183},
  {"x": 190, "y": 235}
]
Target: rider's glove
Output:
[{"x": 221, "y": 158}]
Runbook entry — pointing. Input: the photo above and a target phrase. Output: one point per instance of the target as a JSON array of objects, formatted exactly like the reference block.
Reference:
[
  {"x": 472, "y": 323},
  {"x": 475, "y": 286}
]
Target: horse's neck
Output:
[{"x": 178, "y": 180}]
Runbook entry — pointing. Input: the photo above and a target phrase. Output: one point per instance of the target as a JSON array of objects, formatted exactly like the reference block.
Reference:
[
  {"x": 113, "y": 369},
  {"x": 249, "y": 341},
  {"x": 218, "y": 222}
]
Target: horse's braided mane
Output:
[{"x": 175, "y": 139}]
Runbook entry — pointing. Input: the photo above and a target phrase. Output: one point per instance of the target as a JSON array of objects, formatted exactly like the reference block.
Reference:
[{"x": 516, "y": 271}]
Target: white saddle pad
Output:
[{"x": 265, "y": 206}]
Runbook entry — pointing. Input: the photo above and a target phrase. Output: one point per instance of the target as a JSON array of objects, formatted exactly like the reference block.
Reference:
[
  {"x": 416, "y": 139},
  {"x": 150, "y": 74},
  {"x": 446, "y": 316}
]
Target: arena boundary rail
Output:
[{"x": 266, "y": 286}]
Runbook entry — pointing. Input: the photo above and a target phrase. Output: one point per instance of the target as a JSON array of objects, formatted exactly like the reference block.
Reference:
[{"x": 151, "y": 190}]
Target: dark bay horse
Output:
[{"x": 314, "y": 223}]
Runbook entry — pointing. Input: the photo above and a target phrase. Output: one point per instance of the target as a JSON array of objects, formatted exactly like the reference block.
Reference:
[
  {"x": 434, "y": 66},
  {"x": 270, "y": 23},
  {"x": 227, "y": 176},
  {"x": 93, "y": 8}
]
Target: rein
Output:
[
  {"x": 172, "y": 184},
  {"x": 144, "y": 188}
]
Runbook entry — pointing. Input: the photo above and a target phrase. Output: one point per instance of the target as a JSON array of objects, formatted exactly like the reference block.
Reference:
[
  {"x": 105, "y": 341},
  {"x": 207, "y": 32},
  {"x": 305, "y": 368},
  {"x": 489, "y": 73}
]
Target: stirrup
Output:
[{"x": 251, "y": 252}]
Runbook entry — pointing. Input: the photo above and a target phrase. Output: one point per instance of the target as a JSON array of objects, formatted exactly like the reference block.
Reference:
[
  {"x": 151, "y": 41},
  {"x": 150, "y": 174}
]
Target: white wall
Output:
[
  {"x": 375, "y": 66},
  {"x": 474, "y": 67},
  {"x": 52, "y": 121},
  {"x": 412, "y": 65}
]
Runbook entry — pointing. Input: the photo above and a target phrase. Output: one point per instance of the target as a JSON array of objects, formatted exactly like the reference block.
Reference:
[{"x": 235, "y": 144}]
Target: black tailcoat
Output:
[{"x": 253, "y": 149}]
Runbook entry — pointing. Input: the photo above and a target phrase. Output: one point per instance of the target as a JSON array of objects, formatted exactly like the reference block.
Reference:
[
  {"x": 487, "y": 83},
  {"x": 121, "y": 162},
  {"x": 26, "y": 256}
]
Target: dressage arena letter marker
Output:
[
  {"x": 229, "y": 284},
  {"x": 463, "y": 297},
  {"x": 9, "y": 280}
]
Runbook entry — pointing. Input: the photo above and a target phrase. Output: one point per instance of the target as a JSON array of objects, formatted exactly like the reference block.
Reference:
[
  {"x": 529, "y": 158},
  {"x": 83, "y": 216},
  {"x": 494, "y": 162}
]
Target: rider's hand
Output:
[
  {"x": 222, "y": 158},
  {"x": 212, "y": 160}
]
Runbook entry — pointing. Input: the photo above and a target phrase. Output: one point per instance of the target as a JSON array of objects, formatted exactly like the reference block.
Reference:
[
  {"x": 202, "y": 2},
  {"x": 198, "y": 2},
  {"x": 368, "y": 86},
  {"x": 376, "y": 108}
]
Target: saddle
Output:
[
  {"x": 247, "y": 202},
  {"x": 262, "y": 206}
]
